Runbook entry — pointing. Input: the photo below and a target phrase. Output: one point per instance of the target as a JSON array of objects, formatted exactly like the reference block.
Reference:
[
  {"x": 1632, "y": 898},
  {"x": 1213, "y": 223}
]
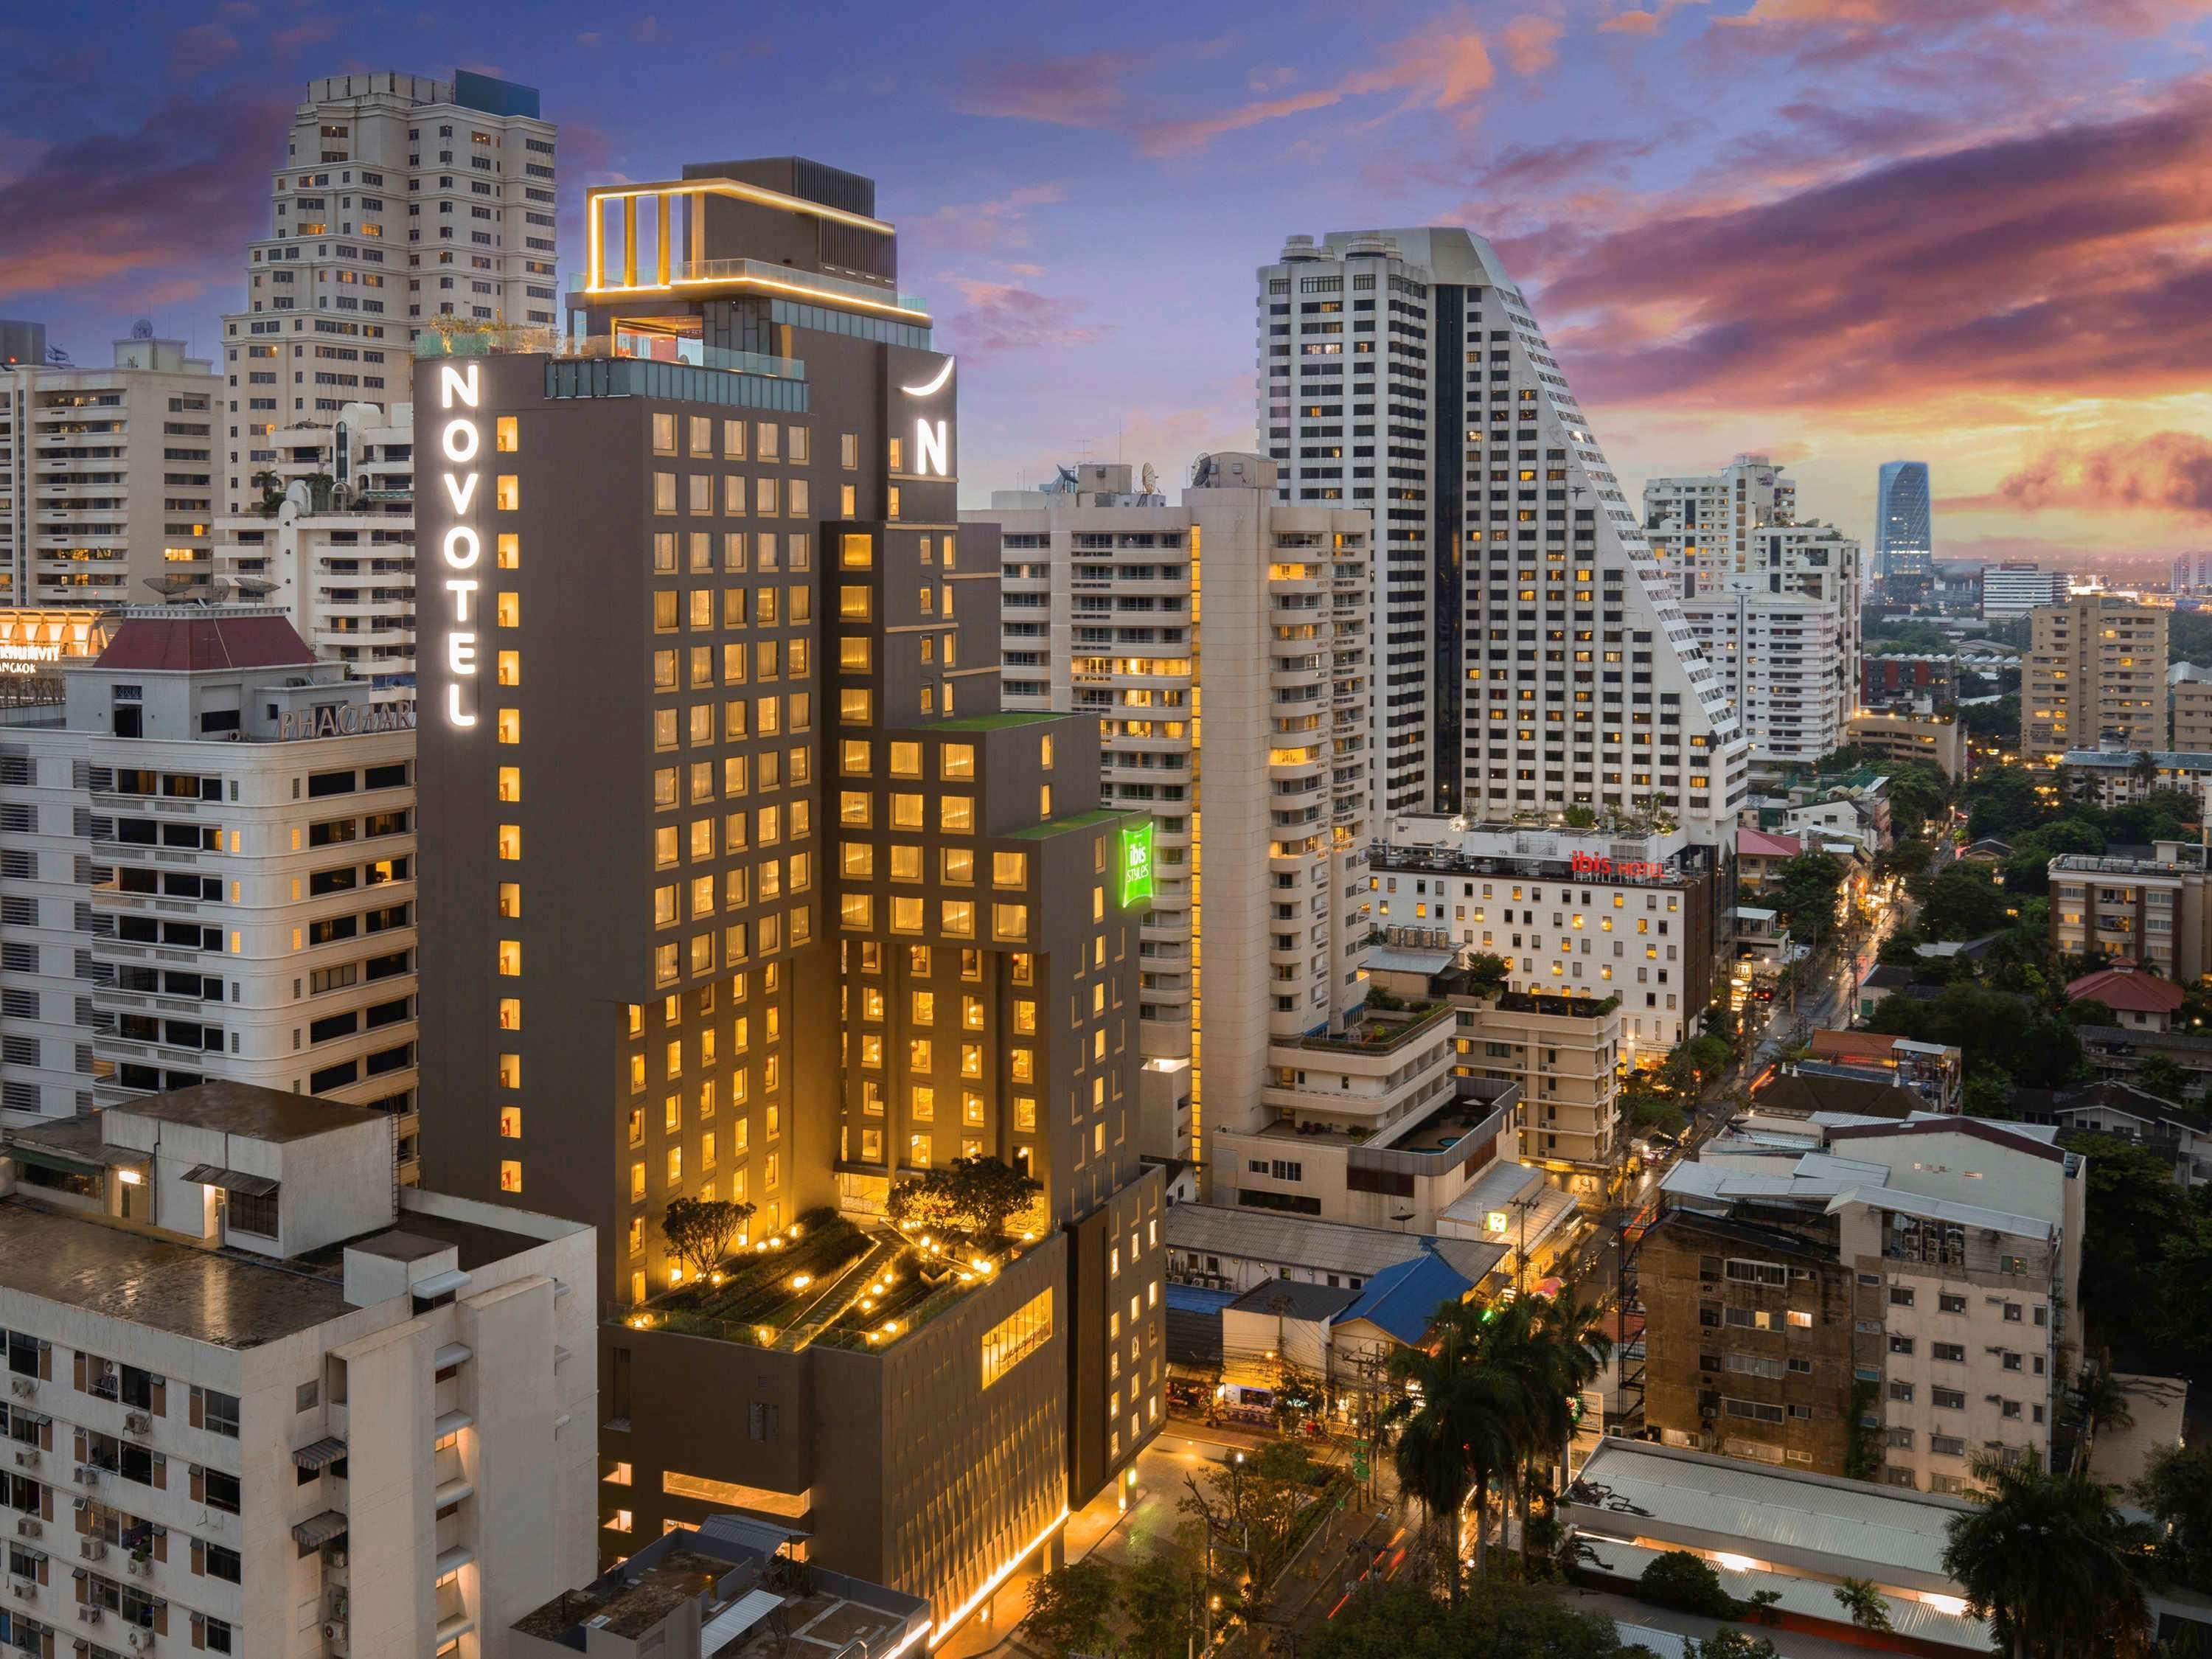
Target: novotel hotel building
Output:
[{"x": 745, "y": 890}]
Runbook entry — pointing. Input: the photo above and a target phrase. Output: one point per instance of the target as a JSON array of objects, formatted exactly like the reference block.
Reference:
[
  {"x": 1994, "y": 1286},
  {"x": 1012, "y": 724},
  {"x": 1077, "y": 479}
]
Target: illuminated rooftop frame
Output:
[{"x": 664, "y": 279}]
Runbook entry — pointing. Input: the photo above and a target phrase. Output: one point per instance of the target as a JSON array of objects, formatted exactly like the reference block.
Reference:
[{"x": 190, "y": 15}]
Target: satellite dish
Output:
[
  {"x": 143, "y": 329},
  {"x": 1151, "y": 479}
]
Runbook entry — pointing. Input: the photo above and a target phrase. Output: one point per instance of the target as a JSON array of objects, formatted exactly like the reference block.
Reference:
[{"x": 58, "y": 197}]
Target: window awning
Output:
[
  {"x": 41, "y": 1158},
  {"x": 320, "y": 1529},
  {"x": 214, "y": 1174},
  {"x": 319, "y": 1454}
]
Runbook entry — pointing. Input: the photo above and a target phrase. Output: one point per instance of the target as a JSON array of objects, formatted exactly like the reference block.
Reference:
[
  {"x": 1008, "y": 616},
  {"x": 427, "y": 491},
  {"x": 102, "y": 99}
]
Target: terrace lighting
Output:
[
  {"x": 890, "y": 1327},
  {"x": 800, "y": 1281},
  {"x": 1729, "y": 1563}
]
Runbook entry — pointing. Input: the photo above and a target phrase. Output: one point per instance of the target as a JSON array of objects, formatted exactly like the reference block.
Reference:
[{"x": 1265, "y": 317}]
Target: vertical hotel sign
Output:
[
  {"x": 1135, "y": 863},
  {"x": 460, "y": 441}
]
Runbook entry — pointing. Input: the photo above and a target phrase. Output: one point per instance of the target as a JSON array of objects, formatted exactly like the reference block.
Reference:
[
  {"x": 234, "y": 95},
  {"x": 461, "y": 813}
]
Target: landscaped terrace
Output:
[{"x": 828, "y": 1279}]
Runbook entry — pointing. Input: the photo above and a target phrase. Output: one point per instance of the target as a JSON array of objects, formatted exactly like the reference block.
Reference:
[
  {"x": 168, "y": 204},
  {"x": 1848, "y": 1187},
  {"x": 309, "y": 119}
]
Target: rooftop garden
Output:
[
  {"x": 829, "y": 1277},
  {"x": 1381, "y": 1030}
]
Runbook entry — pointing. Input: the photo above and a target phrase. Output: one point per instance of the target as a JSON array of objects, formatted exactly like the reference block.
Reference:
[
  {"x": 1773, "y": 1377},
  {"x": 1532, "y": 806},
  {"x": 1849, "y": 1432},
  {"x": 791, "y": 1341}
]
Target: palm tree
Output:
[
  {"x": 2050, "y": 1563},
  {"x": 2099, "y": 1403},
  {"x": 1561, "y": 1351},
  {"x": 1460, "y": 1411}
]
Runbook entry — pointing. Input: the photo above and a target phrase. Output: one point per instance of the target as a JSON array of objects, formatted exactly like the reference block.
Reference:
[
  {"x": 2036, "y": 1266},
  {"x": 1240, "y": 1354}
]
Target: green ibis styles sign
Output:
[{"x": 1136, "y": 862}]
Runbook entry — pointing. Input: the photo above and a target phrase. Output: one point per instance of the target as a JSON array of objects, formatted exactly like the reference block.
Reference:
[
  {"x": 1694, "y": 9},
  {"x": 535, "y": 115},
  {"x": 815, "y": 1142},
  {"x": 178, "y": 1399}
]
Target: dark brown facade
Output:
[
  {"x": 747, "y": 890},
  {"x": 1748, "y": 1339}
]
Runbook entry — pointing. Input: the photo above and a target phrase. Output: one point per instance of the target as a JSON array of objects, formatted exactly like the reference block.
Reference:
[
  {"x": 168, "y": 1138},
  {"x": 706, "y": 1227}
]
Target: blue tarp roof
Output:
[
  {"x": 1197, "y": 1298},
  {"x": 1402, "y": 1299}
]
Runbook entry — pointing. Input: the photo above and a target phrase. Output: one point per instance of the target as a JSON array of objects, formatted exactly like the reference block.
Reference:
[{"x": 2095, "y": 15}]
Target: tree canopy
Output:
[
  {"x": 1507, "y": 1621},
  {"x": 2040, "y": 1049},
  {"x": 972, "y": 1197}
]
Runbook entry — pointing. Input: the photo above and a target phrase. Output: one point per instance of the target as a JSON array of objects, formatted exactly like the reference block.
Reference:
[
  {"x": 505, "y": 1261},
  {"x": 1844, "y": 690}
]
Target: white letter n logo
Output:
[{"x": 929, "y": 448}]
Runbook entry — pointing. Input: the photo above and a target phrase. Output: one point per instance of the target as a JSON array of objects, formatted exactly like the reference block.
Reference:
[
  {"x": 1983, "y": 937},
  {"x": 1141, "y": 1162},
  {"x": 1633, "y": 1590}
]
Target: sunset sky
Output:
[{"x": 1976, "y": 233}]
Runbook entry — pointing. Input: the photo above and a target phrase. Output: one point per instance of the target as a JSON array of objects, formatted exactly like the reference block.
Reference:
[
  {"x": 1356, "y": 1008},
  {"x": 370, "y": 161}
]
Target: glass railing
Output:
[
  {"x": 501, "y": 341},
  {"x": 759, "y": 270}
]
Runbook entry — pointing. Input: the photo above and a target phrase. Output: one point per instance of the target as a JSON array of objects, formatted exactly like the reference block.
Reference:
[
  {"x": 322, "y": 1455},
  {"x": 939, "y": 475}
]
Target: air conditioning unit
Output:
[
  {"x": 91, "y": 1614},
  {"x": 26, "y": 1527},
  {"x": 85, "y": 1475},
  {"x": 338, "y": 1557},
  {"x": 333, "y": 1631},
  {"x": 142, "y": 1640},
  {"x": 92, "y": 1549},
  {"x": 138, "y": 1422},
  {"x": 26, "y": 1459},
  {"x": 138, "y": 1567},
  {"x": 24, "y": 1587},
  {"x": 23, "y": 1388}
]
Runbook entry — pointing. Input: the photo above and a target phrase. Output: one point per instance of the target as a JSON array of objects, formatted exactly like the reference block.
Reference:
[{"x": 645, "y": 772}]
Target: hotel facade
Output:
[{"x": 751, "y": 892}]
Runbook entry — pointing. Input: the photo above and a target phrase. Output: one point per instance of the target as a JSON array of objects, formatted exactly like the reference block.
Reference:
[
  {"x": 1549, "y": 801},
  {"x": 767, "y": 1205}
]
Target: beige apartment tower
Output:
[
  {"x": 2095, "y": 673},
  {"x": 1117, "y": 604}
]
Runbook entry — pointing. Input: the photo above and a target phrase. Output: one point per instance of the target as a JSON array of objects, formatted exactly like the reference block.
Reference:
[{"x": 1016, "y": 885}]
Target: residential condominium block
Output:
[
  {"x": 331, "y": 540},
  {"x": 751, "y": 891},
  {"x": 1840, "y": 1293},
  {"x": 1701, "y": 527},
  {"x": 2189, "y": 693},
  {"x": 2011, "y": 590},
  {"x": 401, "y": 199},
  {"x": 2095, "y": 671},
  {"x": 107, "y": 476},
  {"x": 209, "y": 851},
  {"x": 1525, "y": 635},
  {"x": 1252, "y": 614},
  {"x": 2136, "y": 912},
  {"x": 262, "y": 1399}
]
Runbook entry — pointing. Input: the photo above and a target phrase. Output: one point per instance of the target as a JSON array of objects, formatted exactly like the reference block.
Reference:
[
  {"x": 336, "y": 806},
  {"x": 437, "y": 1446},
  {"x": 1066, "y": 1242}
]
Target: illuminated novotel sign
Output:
[
  {"x": 459, "y": 442},
  {"x": 930, "y": 449},
  {"x": 1136, "y": 863}
]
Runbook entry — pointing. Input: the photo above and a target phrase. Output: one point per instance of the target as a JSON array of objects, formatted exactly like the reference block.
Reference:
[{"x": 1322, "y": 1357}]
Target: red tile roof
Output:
[
  {"x": 2128, "y": 989},
  {"x": 1757, "y": 843},
  {"x": 184, "y": 642}
]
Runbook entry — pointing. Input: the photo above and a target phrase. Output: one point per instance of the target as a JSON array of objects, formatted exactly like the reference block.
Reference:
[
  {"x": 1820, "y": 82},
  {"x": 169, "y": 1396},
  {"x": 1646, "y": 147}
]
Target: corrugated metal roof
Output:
[
  {"x": 1874, "y": 1526},
  {"x": 734, "y": 1621},
  {"x": 1404, "y": 1298},
  {"x": 1813, "y": 1598},
  {"x": 1323, "y": 1246}
]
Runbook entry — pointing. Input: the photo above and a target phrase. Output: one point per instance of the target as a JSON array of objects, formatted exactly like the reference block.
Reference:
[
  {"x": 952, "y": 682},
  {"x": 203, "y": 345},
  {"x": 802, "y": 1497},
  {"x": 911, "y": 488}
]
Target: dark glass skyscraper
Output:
[{"x": 1903, "y": 542}]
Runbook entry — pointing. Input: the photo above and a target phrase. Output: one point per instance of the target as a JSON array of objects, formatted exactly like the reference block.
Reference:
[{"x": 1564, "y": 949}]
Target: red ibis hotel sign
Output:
[{"x": 1588, "y": 864}]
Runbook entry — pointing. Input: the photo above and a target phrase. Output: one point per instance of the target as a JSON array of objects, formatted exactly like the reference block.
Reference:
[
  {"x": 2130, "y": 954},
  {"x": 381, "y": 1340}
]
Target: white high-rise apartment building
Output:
[
  {"x": 401, "y": 200},
  {"x": 1775, "y": 601},
  {"x": 1701, "y": 526},
  {"x": 1783, "y": 659},
  {"x": 1223, "y": 643},
  {"x": 1533, "y": 655},
  {"x": 207, "y": 854},
  {"x": 2011, "y": 590},
  {"x": 262, "y": 1400},
  {"x": 333, "y": 542},
  {"x": 2192, "y": 573},
  {"x": 107, "y": 476}
]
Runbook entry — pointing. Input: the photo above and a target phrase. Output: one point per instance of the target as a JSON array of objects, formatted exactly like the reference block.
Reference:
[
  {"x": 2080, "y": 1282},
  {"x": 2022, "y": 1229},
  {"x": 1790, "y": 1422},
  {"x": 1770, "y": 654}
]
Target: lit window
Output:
[
  {"x": 510, "y": 552},
  {"x": 510, "y": 668},
  {"x": 509, "y": 725},
  {"x": 508, "y": 495},
  {"x": 510, "y": 841},
  {"x": 510, "y": 958}
]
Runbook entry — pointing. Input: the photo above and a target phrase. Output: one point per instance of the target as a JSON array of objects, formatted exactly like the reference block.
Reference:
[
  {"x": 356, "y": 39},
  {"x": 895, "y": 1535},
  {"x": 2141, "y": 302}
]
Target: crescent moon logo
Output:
[{"x": 943, "y": 375}]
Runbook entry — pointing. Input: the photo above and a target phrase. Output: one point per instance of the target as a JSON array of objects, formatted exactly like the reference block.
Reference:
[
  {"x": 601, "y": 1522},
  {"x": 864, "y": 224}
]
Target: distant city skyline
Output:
[{"x": 1917, "y": 235}]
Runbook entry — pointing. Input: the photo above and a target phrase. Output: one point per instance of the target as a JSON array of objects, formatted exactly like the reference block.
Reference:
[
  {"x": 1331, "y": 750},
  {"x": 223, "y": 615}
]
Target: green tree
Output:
[
  {"x": 1163, "y": 1598},
  {"x": 1687, "y": 1584},
  {"x": 973, "y": 1197},
  {"x": 1804, "y": 890},
  {"x": 1728, "y": 1643},
  {"x": 1905, "y": 861},
  {"x": 2177, "y": 1489},
  {"x": 1487, "y": 972},
  {"x": 1508, "y": 1621},
  {"x": 2040, "y": 1050},
  {"x": 1917, "y": 792},
  {"x": 2157, "y": 1074},
  {"x": 1463, "y": 1437},
  {"x": 1069, "y": 1609},
  {"x": 2001, "y": 801},
  {"x": 2099, "y": 1402},
  {"x": 1866, "y": 1606},
  {"x": 1987, "y": 1092},
  {"x": 1254, "y": 1502},
  {"x": 1963, "y": 901},
  {"x": 700, "y": 1230},
  {"x": 2137, "y": 1222},
  {"x": 2050, "y": 1563}
]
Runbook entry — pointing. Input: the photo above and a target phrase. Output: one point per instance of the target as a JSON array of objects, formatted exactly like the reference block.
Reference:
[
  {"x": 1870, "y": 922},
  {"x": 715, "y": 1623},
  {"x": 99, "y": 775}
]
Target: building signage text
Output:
[
  {"x": 350, "y": 720},
  {"x": 1589, "y": 864},
  {"x": 1136, "y": 862},
  {"x": 459, "y": 442}
]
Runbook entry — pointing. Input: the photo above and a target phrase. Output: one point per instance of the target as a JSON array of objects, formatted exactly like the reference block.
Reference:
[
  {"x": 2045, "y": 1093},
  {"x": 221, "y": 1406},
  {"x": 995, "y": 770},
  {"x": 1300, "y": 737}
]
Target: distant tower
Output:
[{"x": 1903, "y": 542}]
